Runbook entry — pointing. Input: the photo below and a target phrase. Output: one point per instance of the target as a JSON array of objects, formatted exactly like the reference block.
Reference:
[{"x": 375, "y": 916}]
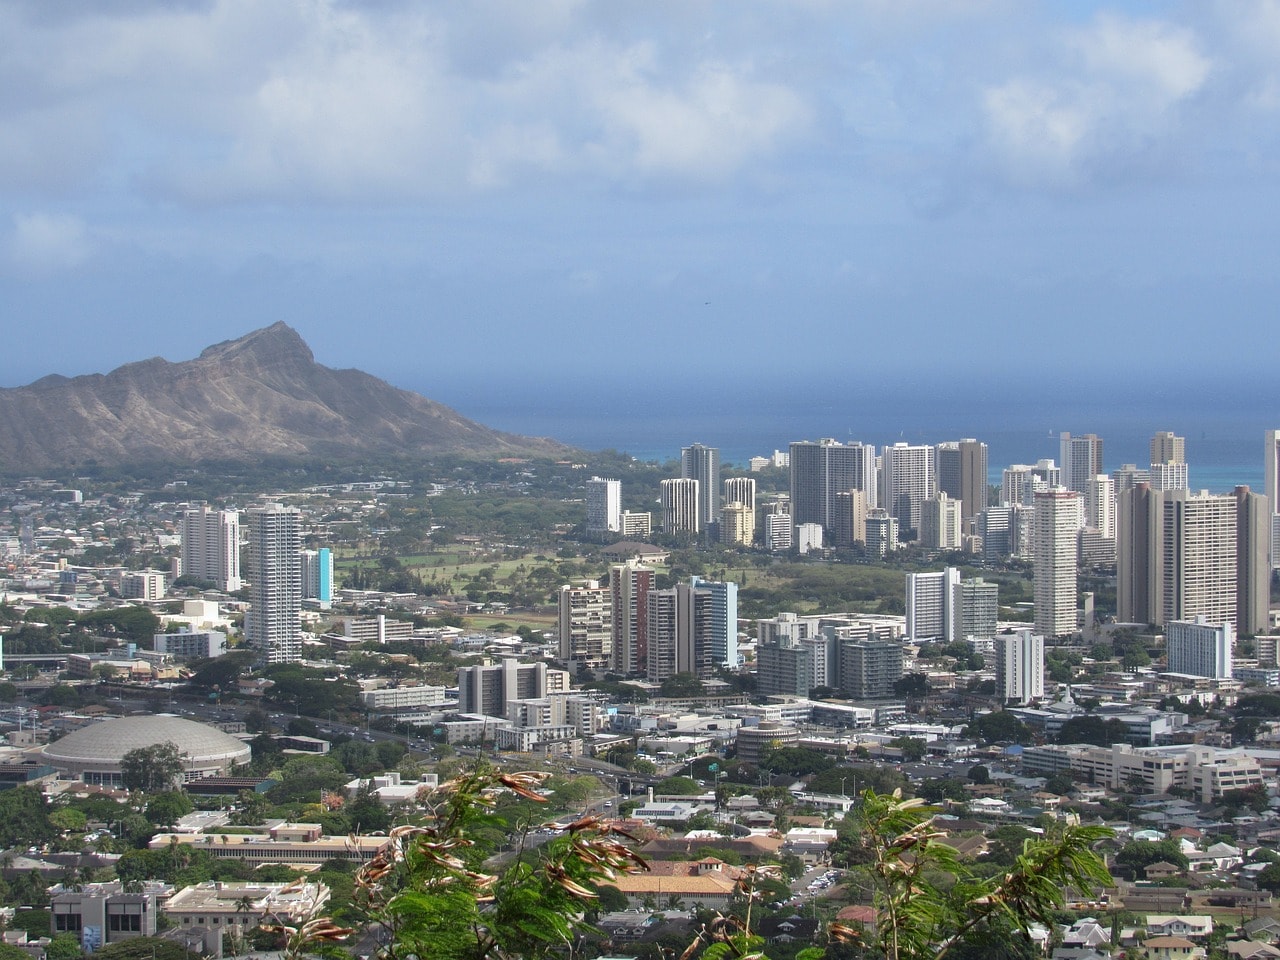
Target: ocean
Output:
[{"x": 1224, "y": 434}]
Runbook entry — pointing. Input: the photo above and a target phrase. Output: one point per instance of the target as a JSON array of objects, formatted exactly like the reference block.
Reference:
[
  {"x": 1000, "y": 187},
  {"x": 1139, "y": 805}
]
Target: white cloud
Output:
[
  {"x": 1114, "y": 94},
  {"x": 44, "y": 243}
]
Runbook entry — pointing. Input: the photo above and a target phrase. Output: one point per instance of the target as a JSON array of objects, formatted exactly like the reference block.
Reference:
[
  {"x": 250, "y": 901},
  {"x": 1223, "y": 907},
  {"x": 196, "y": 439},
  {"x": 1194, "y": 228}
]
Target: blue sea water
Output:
[{"x": 1019, "y": 423}]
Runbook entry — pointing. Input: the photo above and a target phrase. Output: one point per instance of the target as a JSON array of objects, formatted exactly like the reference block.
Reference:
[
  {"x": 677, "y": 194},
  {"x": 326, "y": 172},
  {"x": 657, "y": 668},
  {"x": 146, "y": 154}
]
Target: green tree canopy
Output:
[
  {"x": 999, "y": 727},
  {"x": 154, "y": 769}
]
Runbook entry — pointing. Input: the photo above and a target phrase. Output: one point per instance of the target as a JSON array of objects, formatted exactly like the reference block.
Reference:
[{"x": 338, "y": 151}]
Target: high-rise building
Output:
[
  {"x": 1054, "y": 543},
  {"x": 679, "y": 633},
  {"x": 906, "y": 481},
  {"x": 1199, "y": 648},
  {"x": 740, "y": 490},
  {"x": 317, "y": 574},
  {"x": 1129, "y": 476},
  {"x": 629, "y": 586},
  {"x": 941, "y": 526},
  {"x": 975, "y": 610},
  {"x": 850, "y": 523},
  {"x": 585, "y": 621},
  {"x": 637, "y": 525},
  {"x": 821, "y": 470},
  {"x": 1100, "y": 505},
  {"x": 1254, "y": 522},
  {"x": 1271, "y": 490},
  {"x": 779, "y": 534},
  {"x": 738, "y": 515},
  {"x": 722, "y": 627},
  {"x": 1020, "y": 667},
  {"x": 1181, "y": 556},
  {"x": 681, "y": 506},
  {"x": 1170, "y": 476},
  {"x": 703, "y": 464},
  {"x": 604, "y": 505},
  {"x": 1081, "y": 459},
  {"x": 737, "y": 524},
  {"x": 211, "y": 546},
  {"x": 487, "y": 688},
  {"x": 870, "y": 668},
  {"x": 928, "y": 603},
  {"x": 1168, "y": 448},
  {"x": 962, "y": 475},
  {"x": 882, "y": 532},
  {"x": 271, "y": 624}
]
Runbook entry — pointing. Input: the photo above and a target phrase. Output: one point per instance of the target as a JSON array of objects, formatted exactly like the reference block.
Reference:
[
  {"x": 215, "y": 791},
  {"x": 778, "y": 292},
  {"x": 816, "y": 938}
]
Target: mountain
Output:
[{"x": 260, "y": 395}]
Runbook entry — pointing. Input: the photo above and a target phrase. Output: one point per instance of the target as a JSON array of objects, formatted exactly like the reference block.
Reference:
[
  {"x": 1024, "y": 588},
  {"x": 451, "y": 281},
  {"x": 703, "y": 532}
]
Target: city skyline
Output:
[{"x": 503, "y": 181}]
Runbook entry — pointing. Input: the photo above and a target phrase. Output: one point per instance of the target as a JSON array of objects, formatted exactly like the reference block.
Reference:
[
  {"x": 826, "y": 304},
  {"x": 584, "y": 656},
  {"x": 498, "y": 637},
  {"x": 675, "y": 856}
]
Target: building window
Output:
[{"x": 67, "y": 922}]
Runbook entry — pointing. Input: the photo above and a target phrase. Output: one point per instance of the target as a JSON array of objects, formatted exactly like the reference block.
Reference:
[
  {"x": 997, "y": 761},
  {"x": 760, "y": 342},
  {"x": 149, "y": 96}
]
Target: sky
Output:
[{"x": 476, "y": 199}]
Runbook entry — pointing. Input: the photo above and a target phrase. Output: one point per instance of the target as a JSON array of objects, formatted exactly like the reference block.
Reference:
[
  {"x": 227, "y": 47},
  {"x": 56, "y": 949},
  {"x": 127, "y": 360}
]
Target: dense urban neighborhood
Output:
[{"x": 842, "y": 701}]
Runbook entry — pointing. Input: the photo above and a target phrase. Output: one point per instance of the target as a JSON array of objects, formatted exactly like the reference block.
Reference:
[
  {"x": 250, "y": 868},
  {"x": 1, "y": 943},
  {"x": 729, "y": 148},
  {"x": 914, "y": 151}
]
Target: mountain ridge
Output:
[{"x": 258, "y": 395}]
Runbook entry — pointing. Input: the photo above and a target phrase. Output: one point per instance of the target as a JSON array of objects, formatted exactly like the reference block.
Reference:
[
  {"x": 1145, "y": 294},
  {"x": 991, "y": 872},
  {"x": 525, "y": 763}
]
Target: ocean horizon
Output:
[{"x": 1224, "y": 438}]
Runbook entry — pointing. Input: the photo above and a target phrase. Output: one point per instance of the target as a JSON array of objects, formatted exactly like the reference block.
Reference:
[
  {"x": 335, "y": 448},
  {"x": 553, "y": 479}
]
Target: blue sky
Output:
[{"x": 451, "y": 196}]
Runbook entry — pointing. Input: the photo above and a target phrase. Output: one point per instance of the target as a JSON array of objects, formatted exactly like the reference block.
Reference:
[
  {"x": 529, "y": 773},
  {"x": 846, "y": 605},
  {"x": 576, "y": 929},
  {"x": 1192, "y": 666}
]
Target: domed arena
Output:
[{"x": 93, "y": 753}]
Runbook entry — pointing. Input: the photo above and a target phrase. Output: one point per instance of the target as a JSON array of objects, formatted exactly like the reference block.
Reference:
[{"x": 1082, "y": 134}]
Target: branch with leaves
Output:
[{"x": 919, "y": 920}]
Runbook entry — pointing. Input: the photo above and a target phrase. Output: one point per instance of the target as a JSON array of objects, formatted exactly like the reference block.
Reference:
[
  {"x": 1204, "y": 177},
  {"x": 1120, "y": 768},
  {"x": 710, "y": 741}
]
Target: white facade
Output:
[
  {"x": 1054, "y": 544},
  {"x": 1199, "y": 648},
  {"x": 1169, "y": 476},
  {"x": 681, "y": 506},
  {"x": 211, "y": 546},
  {"x": 907, "y": 481},
  {"x": 777, "y": 532},
  {"x": 1020, "y": 667},
  {"x": 271, "y": 624},
  {"x": 740, "y": 490},
  {"x": 1081, "y": 459},
  {"x": 604, "y": 505},
  {"x": 808, "y": 537},
  {"x": 928, "y": 603}
]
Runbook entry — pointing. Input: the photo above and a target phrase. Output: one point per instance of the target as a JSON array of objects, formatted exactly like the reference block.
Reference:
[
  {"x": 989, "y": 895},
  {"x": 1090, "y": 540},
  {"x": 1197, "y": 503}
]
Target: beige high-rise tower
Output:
[
  {"x": 1182, "y": 555},
  {"x": 1054, "y": 549}
]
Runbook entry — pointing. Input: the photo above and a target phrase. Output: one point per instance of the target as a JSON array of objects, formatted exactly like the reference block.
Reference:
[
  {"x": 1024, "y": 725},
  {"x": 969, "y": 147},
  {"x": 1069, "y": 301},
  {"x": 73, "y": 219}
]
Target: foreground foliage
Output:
[{"x": 438, "y": 890}]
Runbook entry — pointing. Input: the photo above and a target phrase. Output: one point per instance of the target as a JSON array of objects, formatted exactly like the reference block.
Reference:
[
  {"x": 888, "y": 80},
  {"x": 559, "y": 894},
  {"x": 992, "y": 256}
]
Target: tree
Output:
[
  {"x": 165, "y": 809},
  {"x": 913, "y": 748},
  {"x": 64, "y": 946},
  {"x": 930, "y": 903},
  {"x": 979, "y": 774},
  {"x": 154, "y": 769},
  {"x": 1137, "y": 855},
  {"x": 1092, "y": 729},
  {"x": 999, "y": 727},
  {"x": 431, "y": 895}
]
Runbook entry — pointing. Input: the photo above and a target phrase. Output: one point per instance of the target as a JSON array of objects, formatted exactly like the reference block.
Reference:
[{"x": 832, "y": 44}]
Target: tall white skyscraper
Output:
[
  {"x": 1054, "y": 545},
  {"x": 1199, "y": 648},
  {"x": 604, "y": 505},
  {"x": 703, "y": 464},
  {"x": 1081, "y": 459},
  {"x": 907, "y": 480},
  {"x": 1020, "y": 667},
  {"x": 681, "y": 506},
  {"x": 211, "y": 546},
  {"x": 928, "y": 601},
  {"x": 271, "y": 625}
]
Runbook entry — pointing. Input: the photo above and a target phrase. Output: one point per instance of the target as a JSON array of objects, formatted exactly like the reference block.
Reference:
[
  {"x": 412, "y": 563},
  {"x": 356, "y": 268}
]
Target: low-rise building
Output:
[
  {"x": 240, "y": 906},
  {"x": 97, "y": 914}
]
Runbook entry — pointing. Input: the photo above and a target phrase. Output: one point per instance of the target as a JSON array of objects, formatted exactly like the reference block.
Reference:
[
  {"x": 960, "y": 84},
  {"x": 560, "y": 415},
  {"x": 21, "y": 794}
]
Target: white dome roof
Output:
[{"x": 109, "y": 740}]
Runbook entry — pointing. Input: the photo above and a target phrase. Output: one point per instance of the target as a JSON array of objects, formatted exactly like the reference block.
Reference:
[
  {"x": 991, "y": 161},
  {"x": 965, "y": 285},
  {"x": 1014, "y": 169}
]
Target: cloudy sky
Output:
[{"x": 450, "y": 195}]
